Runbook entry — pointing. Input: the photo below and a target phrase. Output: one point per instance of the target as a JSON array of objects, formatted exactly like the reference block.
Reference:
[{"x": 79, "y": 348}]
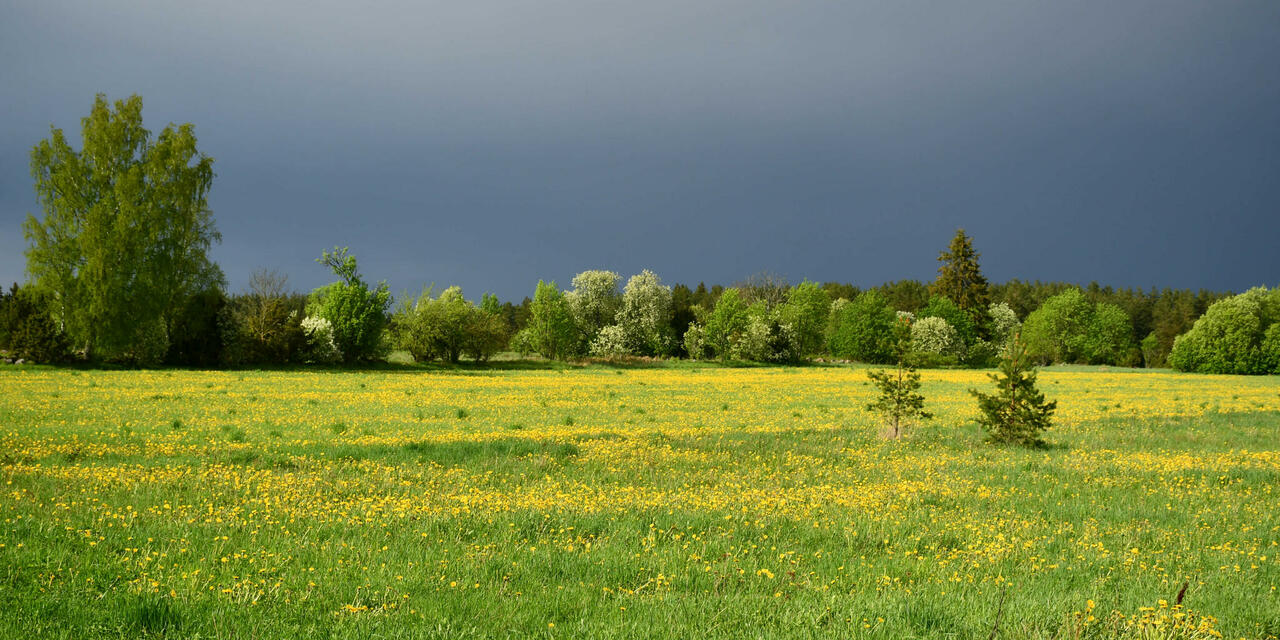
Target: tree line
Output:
[{"x": 119, "y": 272}]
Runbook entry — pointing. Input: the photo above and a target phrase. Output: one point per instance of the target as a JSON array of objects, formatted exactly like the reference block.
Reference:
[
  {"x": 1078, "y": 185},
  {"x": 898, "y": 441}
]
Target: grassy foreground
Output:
[{"x": 667, "y": 502}]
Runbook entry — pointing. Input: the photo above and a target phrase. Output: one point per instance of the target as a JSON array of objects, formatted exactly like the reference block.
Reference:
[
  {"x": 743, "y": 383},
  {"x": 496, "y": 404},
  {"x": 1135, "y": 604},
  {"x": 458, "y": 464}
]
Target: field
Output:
[{"x": 678, "y": 502}]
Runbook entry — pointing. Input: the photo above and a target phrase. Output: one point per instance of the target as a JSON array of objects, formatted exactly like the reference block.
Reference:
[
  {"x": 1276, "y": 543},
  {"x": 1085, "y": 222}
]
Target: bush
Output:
[
  {"x": 359, "y": 315},
  {"x": 486, "y": 335},
  {"x": 766, "y": 338},
  {"x": 1066, "y": 328},
  {"x": 264, "y": 325},
  {"x": 447, "y": 327},
  {"x": 1152, "y": 354},
  {"x": 863, "y": 329},
  {"x": 1004, "y": 326},
  {"x": 725, "y": 324},
  {"x": 551, "y": 329},
  {"x": 805, "y": 312},
  {"x": 1058, "y": 330},
  {"x": 934, "y": 335},
  {"x": 320, "y": 345},
  {"x": 1231, "y": 336},
  {"x": 195, "y": 336},
  {"x": 610, "y": 342},
  {"x": 982, "y": 354},
  {"x": 1271, "y": 348},
  {"x": 148, "y": 346},
  {"x": 522, "y": 342},
  {"x": 27, "y": 330},
  {"x": 900, "y": 401},
  {"x": 594, "y": 302},
  {"x": 1110, "y": 339},
  {"x": 695, "y": 342},
  {"x": 942, "y": 307}
]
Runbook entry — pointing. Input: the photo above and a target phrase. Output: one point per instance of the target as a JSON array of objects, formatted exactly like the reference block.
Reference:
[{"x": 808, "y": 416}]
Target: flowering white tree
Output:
[
  {"x": 594, "y": 301},
  {"x": 645, "y": 316},
  {"x": 935, "y": 335},
  {"x": 611, "y": 341},
  {"x": 1004, "y": 326}
]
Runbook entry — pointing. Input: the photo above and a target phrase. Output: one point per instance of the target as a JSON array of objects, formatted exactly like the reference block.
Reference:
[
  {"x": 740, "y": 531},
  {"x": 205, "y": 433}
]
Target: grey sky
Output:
[{"x": 489, "y": 144}]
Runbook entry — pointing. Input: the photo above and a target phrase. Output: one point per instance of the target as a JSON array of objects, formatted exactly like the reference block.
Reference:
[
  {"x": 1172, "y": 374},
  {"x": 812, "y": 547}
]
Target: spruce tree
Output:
[
  {"x": 1017, "y": 413},
  {"x": 960, "y": 279},
  {"x": 900, "y": 402}
]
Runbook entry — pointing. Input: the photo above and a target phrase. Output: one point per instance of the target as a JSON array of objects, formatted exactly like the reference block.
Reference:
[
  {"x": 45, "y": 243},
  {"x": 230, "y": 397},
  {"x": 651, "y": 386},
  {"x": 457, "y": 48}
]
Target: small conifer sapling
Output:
[
  {"x": 900, "y": 402},
  {"x": 1017, "y": 413}
]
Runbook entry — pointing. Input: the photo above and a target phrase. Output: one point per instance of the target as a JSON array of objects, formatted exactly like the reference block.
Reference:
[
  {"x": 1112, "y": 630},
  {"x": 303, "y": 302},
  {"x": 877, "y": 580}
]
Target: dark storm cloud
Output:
[{"x": 492, "y": 143}]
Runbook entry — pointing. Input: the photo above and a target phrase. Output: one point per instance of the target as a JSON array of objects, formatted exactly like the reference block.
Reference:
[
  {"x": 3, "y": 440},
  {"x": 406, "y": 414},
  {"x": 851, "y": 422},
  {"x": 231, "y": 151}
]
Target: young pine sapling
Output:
[
  {"x": 900, "y": 402},
  {"x": 1017, "y": 412}
]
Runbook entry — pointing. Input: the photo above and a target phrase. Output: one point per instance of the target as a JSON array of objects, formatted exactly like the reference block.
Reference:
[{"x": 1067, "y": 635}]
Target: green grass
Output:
[{"x": 646, "y": 501}]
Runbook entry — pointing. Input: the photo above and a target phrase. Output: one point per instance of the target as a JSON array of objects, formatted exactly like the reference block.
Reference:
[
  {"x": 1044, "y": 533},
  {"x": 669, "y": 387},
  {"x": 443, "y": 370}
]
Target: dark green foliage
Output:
[
  {"x": 359, "y": 315},
  {"x": 960, "y": 278},
  {"x": 905, "y": 295},
  {"x": 837, "y": 290},
  {"x": 683, "y": 314},
  {"x": 195, "y": 336},
  {"x": 264, "y": 324},
  {"x": 900, "y": 402},
  {"x": 27, "y": 330},
  {"x": 1017, "y": 413},
  {"x": 862, "y": 330}
]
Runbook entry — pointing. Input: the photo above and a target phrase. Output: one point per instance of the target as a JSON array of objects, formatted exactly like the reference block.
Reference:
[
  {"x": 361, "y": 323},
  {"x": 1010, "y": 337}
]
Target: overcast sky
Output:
[{"x": 490, "y": 144}]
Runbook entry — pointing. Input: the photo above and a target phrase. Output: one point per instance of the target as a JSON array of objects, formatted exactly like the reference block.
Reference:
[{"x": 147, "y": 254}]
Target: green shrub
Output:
[
  {"x": 1231, "y": 336},
  {"x": 1058, "y": 330},
  {"x": 27, "y": 330},
  {"x": 942, "y": 307},
  {"x": 447, "y": 327},
  {"x": 805, "y": 312},
  {"x": 551, "y": 329},
  {"x": 766, "y": 338},
  {"x": 726, "y": 324},
  {"x": 195, "y": 333},
  {"x": 695, "y": 342},
  {"x": 1067, "y": 328},
  {"x": 862, "y": 330},
  {"x": 359, "y": 315},
  {"x": 1110, "y": 336},
  {"x": 263, "y": 325},
  {"x": 935, "y": 336}
]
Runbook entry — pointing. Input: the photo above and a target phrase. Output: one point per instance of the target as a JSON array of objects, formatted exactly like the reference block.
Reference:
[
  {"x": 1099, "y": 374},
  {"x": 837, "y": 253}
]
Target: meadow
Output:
[{"x": 682, "y": 501}]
